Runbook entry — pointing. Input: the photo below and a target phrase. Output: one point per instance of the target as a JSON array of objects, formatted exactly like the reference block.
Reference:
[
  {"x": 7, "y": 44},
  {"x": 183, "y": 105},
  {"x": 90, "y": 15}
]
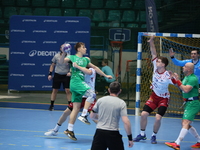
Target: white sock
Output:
[
  {"x": 56, "y": 128},
  {"x": 142, "y": 133},
  {"x": 154, "y": 134},
  {"x": 84, "y": 113},
  {"x": 70, "y": 127},
  {"x": 193, "y": 131},
  {"x": 182, "y": 134}
]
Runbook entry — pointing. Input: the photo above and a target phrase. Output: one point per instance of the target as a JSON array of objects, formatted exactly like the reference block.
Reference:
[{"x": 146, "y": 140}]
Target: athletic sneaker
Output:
[
  {"x": 70, "y": 134},
  {"x": 84, "y": 119},
  {"x": 140, "y": 137},
  {"x": 197, "y": 145},
  {"x": 173, "y": 145},
  {"x": 51, "y": 132},
  {"x": 153, "y": 140},
  {"x": 51, "y": 108}
]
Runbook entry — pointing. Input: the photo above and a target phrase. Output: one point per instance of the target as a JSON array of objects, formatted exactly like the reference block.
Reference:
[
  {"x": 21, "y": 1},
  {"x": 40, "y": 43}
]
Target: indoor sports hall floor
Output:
[{"x": 23, "y": 129}]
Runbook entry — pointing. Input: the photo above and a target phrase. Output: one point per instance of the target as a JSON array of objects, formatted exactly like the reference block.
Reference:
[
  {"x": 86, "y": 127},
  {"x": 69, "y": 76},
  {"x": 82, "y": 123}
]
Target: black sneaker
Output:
[
  {"x": 51, "y": 108},
  {"x": 70, "y": 134},
  {"x": 84, "y": 119}
]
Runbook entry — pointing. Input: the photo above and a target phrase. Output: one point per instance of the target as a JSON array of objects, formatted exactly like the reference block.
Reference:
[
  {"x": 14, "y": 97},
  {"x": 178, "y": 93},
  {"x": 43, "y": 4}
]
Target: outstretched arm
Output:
[
  {"x": 99, "y": 71},
  {"x": 152, "y": 47},
  {"x": 83, "y": 69}
]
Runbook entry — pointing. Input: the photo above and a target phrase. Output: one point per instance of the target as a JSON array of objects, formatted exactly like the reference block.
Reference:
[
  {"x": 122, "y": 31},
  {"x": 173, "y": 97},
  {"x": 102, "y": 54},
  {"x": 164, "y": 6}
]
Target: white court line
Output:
[{"x": 2, "y": 96}]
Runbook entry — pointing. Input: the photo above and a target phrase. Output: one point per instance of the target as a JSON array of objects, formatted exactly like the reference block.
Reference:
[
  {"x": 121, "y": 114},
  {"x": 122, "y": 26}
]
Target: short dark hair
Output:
[
  {"x": 164, "y": 60},
  {"x": 195, "y": 50},
  {"x": 77, "y": 45},
  {"x": 115, "y": 87},
  {"x": 105, "y": 61}
]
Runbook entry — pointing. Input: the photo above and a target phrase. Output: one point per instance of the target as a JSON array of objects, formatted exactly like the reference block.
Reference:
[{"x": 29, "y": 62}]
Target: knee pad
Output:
[{"x": 91, "y": 96}]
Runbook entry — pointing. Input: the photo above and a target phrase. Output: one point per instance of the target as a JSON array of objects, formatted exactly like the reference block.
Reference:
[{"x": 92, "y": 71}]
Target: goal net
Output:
[{"x": 182, "y": 44}]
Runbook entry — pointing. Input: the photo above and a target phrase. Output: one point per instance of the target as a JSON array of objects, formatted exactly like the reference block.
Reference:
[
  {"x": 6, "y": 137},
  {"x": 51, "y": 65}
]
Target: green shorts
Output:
[
  {"x": 191, "y": 109},
  {"x": 78, "y": 89}
]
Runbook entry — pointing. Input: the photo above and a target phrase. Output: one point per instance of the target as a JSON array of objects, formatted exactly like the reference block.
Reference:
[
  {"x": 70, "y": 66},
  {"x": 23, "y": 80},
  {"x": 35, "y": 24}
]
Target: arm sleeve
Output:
[
  {"x": 95, "y": 108},
  {"x": 192, "y": 82},
  {"x": 180, "y": 62},
  {"x": 123, "y": 109}
]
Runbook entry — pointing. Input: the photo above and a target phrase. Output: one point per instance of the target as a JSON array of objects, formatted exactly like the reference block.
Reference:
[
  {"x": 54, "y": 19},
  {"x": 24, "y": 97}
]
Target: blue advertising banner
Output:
[
  {"x": 34, "y": 40},
  {"x": 151, "y": 16}
]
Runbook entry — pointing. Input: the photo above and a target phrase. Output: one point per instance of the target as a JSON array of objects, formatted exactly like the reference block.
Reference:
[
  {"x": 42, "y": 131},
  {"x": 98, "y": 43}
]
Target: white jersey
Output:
[
  {"x": 90, "y": 79},
  {"x": 160, "y": 82}
]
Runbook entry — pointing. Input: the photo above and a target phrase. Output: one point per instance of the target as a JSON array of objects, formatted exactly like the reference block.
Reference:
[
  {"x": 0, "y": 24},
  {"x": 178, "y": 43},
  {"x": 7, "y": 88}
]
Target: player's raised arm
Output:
[
  {"x": 99, "y": 71},
  {"x": 63, "y": 58},
  {"x": 152, "y": 47}
]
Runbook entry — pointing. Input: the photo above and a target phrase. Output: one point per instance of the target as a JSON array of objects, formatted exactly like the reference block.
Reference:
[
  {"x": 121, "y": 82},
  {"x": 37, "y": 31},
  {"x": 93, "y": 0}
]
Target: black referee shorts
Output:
[
  {"x": 60, "y": 79},
  {"x": 104, "y": 139}
]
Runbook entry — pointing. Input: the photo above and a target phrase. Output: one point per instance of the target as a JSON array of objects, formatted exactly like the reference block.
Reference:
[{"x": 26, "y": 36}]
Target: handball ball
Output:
[{"x": 67, "y": 48}]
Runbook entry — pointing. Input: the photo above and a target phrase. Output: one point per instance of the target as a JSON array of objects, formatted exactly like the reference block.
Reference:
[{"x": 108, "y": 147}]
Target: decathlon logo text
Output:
[
  {"x": 14, "y": 30},
  {"x": 50, "y": 20},
  {"x": 38, "y": 75},
  {"x": 27, "y": 64},
  {"x": 46, "y": 86},
  {"x": 17, "y": 53},
  {"x": 56, "y": 31},
  {"x": 29, "y": 20},
  {"x": 42, "y": 53},
  {"x": 29, "y": 42},
  {"x": 71, "y": 21},
  {"x": 46, "y": 64},
  {"x": 49, "y": 42},
  {"x": 39, "y": 31},
  {"x": 27, "y": 86},
  {"x": 82, "y": 32},
  {"x": 16, "y": 75}
]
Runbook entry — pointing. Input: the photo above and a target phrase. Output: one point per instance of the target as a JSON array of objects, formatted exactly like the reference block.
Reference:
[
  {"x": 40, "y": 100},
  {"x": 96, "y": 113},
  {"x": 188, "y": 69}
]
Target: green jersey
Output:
[
  {"x": 191, "y": 80},
  {"x": 78, "y": 87}
]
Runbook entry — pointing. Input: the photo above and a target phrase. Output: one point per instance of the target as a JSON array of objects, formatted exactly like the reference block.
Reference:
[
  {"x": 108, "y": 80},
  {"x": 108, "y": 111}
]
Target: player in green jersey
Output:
[
  {"x": 189, "y": 87},
  {"x": 78, "y": 87}
]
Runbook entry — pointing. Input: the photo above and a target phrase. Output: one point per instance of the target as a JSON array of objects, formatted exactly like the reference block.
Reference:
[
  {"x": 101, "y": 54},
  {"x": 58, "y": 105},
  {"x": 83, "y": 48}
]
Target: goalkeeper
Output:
[{"x": 194, "y": 59}]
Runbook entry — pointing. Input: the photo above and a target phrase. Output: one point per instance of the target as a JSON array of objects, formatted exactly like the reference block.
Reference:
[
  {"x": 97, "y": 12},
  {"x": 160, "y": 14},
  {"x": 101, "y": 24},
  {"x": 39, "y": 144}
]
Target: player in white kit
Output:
[{"x": 160, "y": 94}]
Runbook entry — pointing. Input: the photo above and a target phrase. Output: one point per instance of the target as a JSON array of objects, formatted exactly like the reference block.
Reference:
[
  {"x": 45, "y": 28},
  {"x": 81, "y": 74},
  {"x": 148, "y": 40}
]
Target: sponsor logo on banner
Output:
[
  {"x": 17, "y": 75},
  {"x": 46, "y": 64},
  {"x": 71, "y": 42},
  {"x": 82, "y": 32},
  {"x": 16, "y": 30},
  {"x": 57, "y": 31},
  {"x": 46, "y": 86},
  {"x": 28, "y": 42},
  {"x": 42, "y": 53},
  {"x": 29, "y": 20},
  {"x": 71, "y": 21},
  {"x": 27, "y": 64},
  {"x": 50, "y": 20},
  {"x": 17, "y": 53},
  {"x": 39, "y": 31},
  {"x": 38, "y": 75},
  {"x": 49, "y": 42},
  {"x": 27, "y": 86}
]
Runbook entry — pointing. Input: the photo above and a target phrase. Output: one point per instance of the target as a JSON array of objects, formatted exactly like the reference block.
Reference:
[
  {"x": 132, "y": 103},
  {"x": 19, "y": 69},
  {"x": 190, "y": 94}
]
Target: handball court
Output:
[{"x": 25, "y": 118}]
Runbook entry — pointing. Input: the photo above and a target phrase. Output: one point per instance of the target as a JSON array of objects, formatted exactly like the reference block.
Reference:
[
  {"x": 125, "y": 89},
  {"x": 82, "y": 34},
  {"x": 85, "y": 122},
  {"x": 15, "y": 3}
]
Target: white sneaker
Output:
[
  {"x": 51, "y": 132},
  {"x": 84, "y": 119}
]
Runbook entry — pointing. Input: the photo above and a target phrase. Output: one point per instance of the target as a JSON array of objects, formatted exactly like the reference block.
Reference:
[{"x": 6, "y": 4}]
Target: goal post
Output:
[{"x": 182, "y": 44}]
